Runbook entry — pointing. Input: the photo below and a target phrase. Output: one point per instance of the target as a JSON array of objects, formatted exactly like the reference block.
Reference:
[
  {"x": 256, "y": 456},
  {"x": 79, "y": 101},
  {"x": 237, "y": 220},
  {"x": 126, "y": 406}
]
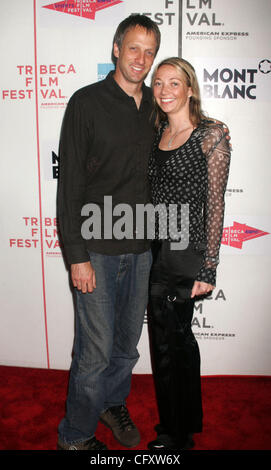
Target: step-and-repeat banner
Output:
[{"x": 50, "y": 49}]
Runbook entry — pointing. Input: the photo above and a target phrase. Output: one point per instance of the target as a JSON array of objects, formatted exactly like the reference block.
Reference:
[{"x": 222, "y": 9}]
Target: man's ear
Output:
[{"x": 116, "y": 50}]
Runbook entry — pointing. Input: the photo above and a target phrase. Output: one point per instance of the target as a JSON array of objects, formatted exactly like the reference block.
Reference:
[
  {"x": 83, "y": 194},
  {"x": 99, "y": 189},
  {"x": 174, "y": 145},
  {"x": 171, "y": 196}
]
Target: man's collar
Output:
[{"x": 111, "y": 82}]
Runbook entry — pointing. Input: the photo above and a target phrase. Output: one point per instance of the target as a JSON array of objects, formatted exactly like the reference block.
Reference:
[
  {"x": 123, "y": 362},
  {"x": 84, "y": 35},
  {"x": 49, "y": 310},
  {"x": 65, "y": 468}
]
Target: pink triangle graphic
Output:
[
  {"x": 82, "y": 8},
  {"x": 238, "y": 233}
]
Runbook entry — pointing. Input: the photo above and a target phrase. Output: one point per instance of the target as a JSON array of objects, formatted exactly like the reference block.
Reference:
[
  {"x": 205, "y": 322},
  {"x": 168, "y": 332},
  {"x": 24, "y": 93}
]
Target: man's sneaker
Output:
[
  {"x": 90, "y": 444},
  {"x": 117, "y": 418}
]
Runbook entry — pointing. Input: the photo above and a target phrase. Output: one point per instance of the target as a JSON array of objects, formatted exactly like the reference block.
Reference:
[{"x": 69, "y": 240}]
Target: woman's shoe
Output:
[{"x": 165, "y": 442}]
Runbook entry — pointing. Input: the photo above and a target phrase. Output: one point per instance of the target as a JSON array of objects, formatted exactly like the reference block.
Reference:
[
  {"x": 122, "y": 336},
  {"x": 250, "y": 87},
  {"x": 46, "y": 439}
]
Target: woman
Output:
[{"x": 188, "y": 169}]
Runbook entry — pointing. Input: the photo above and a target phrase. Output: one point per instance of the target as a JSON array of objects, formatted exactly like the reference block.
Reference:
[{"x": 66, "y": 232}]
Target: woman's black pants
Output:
[{"x": 174, "y": 349}]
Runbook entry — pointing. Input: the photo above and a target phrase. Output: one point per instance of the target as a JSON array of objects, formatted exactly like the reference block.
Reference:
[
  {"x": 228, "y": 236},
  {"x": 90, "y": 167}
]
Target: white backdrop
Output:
[{"x": 50, "y": 49}]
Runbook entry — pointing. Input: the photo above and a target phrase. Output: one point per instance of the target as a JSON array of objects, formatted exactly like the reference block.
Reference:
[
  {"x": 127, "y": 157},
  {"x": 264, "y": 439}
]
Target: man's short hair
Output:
[{"x": 131, "y": 22}]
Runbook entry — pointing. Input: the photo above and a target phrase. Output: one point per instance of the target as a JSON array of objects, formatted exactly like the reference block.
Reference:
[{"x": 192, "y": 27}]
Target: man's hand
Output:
[
  {"x": 201, "y": 288},
  {"x": 83, "y": 277}
]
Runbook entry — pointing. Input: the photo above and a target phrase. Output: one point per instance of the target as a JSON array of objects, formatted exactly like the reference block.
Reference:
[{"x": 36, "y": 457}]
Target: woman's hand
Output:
[{"x": 201, "y": 288}]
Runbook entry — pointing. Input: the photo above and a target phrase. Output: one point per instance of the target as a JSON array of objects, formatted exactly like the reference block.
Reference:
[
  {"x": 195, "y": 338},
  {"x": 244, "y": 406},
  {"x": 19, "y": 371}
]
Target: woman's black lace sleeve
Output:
[{"x": 216, "y": 148}]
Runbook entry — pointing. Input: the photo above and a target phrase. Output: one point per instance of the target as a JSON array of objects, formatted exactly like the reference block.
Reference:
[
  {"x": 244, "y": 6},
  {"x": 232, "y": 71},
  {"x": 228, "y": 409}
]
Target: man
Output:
[{"x": 104, "y": 147}]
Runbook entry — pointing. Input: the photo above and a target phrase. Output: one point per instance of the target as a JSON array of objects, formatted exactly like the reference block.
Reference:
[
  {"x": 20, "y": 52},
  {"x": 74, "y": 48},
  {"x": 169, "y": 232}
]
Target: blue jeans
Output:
[{"x": 108, "y": 327}]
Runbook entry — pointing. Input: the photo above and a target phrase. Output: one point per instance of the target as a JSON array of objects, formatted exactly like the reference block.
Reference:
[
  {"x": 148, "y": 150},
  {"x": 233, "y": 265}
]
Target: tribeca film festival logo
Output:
[
  {"x": 31, "y": 239},
  {"x": 201, "y": 14},
  {"x": 88, "y": 9},
  {"x": 83, "y": 8},
  {"x": 165, "y": 17},
  {"x": 226, "y": 82},
  {"x": 50, "y": 91},
  {"x": 237, "y": 234},
  {"x": 196, "y": 16}
]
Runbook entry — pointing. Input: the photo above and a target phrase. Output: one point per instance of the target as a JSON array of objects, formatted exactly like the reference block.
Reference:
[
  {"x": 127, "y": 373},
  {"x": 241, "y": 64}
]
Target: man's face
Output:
[{"x": 136, "y": 56}]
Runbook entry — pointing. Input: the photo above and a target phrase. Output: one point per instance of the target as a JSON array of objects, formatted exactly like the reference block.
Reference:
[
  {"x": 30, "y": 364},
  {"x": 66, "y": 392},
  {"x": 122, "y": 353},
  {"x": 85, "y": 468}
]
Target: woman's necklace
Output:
[{"x": 174, "y": 135}]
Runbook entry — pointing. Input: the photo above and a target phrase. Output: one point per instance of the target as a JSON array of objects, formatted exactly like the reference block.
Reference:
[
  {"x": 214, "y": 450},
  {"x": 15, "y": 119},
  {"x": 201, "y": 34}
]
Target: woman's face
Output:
[{"x": 170, "y": 90}]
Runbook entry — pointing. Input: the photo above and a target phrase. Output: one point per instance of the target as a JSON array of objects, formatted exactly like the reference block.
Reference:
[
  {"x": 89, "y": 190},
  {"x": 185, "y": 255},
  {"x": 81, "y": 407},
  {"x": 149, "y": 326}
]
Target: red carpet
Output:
[{"x": 236, "y": 411}]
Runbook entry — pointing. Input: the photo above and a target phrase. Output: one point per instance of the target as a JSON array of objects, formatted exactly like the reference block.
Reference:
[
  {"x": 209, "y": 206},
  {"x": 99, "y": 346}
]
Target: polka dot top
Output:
[{"x": 190, "y": 181}]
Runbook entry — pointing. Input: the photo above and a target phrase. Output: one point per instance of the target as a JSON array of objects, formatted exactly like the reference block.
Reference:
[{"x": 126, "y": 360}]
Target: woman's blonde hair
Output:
[{"x": 189, "y": 75}]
